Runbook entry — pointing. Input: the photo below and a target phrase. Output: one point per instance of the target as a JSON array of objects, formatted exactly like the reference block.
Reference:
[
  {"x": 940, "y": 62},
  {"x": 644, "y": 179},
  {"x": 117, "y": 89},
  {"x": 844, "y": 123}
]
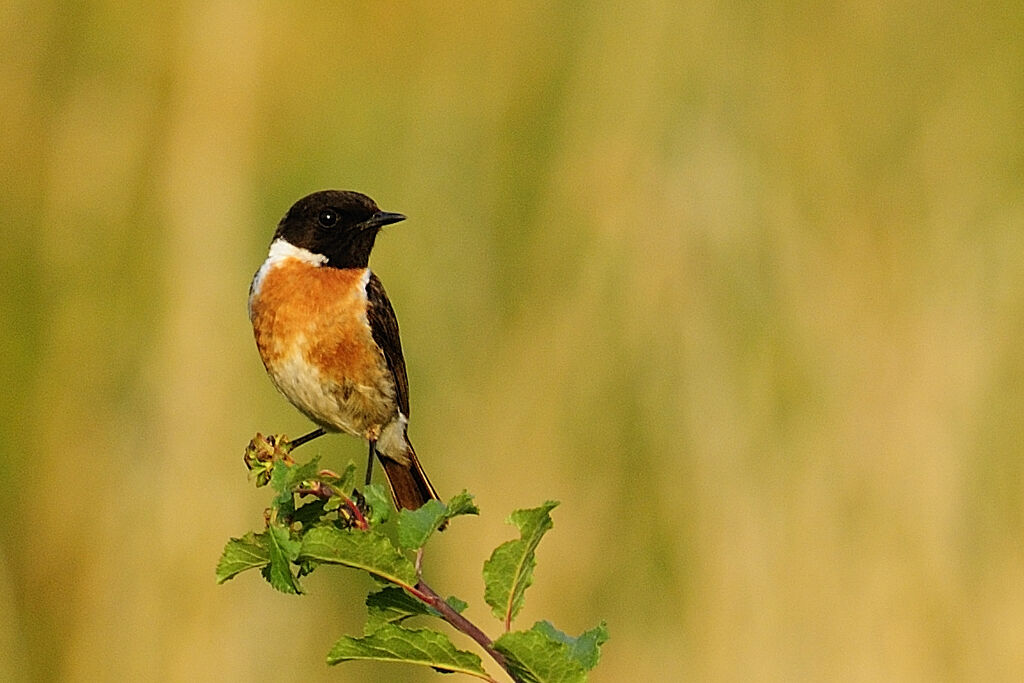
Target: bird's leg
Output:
[
  {"x": 315, "y": 434},
  {"x": 369, "y": 461}
]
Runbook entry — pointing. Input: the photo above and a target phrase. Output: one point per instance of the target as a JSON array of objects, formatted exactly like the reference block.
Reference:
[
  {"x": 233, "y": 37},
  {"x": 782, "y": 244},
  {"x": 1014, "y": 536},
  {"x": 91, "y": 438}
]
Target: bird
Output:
[{"x": 328, "y": 335}]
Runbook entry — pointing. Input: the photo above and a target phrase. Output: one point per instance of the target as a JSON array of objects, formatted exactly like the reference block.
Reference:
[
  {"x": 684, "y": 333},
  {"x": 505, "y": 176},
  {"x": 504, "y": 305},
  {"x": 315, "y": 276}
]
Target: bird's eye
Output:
[{"x": 327, "y": 218}]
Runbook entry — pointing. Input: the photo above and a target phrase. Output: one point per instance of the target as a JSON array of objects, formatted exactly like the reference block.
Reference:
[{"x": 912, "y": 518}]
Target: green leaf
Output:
[
  {"x": 367, "y": 550},
  {"x": 391, "y": 643},
  {"x": 457, "y": 604},
  {"x": 379, "y": 502},
  {"x": 345, "y": 482},
  {"x": 415, "y": 526},
  {"x": 306, "y": 567},
  {"x": 461, "y": 504},
  {"x": 283, "y": 550},
  {"x": 291, "y": 476},
  {"x": 286, "y": 478},
  {"x": 343, "y": 487},
  {"x": 585, "y": 649},
  {"x": 310, "y": 513},
  {"x": 248, "y": 552},
  {"x": 533, "y": 657},
  {"x": 509, "y": 571},
  {"x": 390, "y": 605}
]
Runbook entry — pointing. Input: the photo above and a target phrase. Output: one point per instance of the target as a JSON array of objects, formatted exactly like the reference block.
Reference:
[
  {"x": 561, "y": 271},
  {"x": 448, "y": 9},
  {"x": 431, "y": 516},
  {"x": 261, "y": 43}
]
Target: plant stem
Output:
[{"x": 461, "y": 623}]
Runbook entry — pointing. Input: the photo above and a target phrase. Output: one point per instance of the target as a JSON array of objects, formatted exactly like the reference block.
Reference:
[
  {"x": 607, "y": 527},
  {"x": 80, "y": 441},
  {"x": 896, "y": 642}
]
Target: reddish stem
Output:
[
  {"x": 426, "y": 594},
  {"x": 360, "y": 519}
]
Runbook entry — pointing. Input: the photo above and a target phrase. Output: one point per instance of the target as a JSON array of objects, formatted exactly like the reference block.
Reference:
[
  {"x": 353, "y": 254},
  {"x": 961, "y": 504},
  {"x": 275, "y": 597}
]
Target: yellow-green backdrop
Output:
[{"x": 741, "y": 284}]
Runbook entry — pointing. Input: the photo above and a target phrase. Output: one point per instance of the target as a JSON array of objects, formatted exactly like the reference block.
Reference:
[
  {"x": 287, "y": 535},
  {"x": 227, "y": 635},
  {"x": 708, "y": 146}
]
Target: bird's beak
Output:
[{"x": 382, "y": 218}]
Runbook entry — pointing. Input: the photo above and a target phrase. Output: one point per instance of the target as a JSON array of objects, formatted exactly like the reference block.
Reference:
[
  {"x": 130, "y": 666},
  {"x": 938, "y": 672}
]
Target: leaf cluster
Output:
[{"x": 318, "y": 517}]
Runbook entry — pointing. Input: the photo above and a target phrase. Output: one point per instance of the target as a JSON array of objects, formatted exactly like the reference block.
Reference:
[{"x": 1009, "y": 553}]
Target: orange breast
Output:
[{"x": 312, "y": 332}]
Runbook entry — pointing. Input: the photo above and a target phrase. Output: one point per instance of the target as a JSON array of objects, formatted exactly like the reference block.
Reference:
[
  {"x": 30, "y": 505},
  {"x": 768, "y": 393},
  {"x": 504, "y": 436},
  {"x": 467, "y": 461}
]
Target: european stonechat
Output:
[{"x": 328, "y": 335}]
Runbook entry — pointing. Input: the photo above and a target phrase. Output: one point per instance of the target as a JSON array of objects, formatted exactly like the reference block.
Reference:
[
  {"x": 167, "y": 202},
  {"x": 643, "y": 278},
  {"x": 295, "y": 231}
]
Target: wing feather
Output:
[{"x": 384, "y": 327}]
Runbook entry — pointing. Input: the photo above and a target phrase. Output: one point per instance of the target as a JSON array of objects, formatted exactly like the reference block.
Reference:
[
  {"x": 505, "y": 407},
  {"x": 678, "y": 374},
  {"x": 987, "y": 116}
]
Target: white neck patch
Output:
[{"x": 280, "y": 251}]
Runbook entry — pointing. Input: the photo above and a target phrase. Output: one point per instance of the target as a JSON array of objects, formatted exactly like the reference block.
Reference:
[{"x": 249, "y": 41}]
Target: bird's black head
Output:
[{"x": 339, "y": 225}]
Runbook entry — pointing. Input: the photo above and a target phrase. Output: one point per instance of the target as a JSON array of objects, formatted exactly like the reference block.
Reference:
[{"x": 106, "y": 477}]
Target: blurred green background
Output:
[{"x": 740, "y": 284}]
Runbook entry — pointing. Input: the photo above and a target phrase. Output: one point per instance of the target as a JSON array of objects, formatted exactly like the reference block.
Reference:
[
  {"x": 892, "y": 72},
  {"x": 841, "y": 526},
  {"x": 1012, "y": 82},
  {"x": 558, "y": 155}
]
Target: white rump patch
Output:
[{"x": 392, "y": 443}]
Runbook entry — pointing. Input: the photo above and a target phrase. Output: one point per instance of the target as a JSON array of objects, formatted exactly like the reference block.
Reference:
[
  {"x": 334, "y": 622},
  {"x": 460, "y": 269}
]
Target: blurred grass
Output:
[{"x": 740, "y": 284}]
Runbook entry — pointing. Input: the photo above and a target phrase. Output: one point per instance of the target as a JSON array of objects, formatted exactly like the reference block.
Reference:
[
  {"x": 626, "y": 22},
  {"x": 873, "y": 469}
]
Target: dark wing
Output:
[{"x": 384, "y": 326}]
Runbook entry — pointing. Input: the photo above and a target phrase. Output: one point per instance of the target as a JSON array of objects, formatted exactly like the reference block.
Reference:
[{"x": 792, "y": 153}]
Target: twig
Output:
[{"x": 426, "y": 594}]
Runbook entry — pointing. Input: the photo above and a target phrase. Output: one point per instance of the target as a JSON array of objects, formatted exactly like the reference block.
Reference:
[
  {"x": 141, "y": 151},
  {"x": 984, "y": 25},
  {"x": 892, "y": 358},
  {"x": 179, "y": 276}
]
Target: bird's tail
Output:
[{"x": 409, "y": 484}]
